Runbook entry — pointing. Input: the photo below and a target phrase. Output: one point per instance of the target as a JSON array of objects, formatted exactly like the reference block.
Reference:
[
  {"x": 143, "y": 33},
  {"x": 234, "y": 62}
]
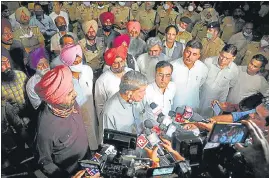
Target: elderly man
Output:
[
  {"x": 44, "y": 22},
  {"x": 61, "y": 138},
  {"x": 222, "y": 75},
  {"x": 212, "y": 44},
  {"x": 108, "y": 83},
  {"x": 172, "y": 48},
  {"x": 40, "y": 63},
  {"x": 249, "y": 80},
  {"x": 163, "y": 90},
  {"x": 147, "y": 61},
  {"x": 137, "y": 45},
  {"x": 242, "y": 39},
  {"x": 183, "y": 36},
  {"x": 93, "y": 47},
  {"x": 124, "y": 110},
  {"x": 189, "y": 75},
  {"x": 107, "y": 32},
  {"x": 55, "y": 40},
  {"x": 71, "y": 55},
  {"x": 12, "y": 49},
  {"x": 29, "y": 36}
]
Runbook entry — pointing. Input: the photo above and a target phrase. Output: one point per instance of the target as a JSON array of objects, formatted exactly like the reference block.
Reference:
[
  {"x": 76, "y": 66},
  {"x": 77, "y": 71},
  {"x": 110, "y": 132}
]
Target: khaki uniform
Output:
[
  {"x": 30, "y": 37},
  {"x": 199, "y": 31},
  {"x": 86, "y": 13},
  {"x": 211, "y": 48},
  {"x": 184, "y": 37},
  {"x": 134, "y": 9},
  {"x": 98, "y": 12},
  {"x": 72, "y": 13},
  {"x": 194, "y": 16},
  {"x": 122, "y": 16},
  {"x": 229, "y": 27},
  {"x": 93, "y": 59},
  {"x": 165, "y": 20},
  {"x": 146, "y": 18},
  {"x": 250, "y": 50}
]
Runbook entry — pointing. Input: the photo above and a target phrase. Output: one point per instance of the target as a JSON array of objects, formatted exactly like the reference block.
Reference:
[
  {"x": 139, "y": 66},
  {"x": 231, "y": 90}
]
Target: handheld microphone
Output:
[
  {"x": 188, "y": 113},
  {"x": 157, "y": 110},
  {"x": 154, "y": 141},
  {"x": 179, "y": 115}
]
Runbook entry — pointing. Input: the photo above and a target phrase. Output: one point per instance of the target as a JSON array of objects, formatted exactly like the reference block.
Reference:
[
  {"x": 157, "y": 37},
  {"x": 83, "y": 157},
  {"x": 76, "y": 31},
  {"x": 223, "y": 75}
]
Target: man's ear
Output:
[{"x": 129, "y": 94}]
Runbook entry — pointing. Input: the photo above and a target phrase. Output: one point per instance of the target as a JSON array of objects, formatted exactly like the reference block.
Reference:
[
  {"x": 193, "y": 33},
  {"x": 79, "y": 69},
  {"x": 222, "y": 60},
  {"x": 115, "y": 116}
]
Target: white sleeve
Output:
[{"x": 100, "y": 97}]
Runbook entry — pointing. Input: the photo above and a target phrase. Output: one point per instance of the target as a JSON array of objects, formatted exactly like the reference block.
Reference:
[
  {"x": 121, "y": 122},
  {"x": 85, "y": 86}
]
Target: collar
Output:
[
  {"x": 174, "y": 45},
  {"x": 155, "y": 87},
  {"x": 180, "y": 60},
  {"x": 216, "y": 62},
  {"x": 123, "y": 103}
]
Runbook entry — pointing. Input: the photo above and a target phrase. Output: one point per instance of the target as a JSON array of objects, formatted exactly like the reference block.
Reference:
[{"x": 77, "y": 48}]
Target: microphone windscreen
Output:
[{"x": 153, "y": 105}]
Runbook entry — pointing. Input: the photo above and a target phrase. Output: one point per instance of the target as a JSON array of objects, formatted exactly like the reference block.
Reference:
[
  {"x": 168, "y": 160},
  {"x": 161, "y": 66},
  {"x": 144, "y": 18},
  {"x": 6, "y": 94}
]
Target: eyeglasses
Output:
[
  {"x": 226, "y": 58},
  {"x": 163, "y": 75}
]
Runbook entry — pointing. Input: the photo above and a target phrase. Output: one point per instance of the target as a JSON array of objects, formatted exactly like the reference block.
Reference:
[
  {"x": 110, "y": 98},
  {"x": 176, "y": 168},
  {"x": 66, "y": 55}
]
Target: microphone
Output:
[
  {"x": 154, "y": 141},
  {"x": 157, "y": 110},
  {"x": 188, "y": 113},
  {"x": 179, "y": 115},
  {"x": 150, "y": 125}
]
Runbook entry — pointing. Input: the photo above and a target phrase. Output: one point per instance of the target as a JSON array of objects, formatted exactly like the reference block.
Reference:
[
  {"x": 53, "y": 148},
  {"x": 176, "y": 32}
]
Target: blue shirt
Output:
[{"x": 237, "y": 116}]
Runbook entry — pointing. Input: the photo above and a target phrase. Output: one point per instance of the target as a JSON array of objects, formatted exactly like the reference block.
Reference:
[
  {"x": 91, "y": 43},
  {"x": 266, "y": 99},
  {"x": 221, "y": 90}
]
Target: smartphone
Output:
[
  {"x": 217, "y": 110},
  {"x": 160, "y": 171},
  {"x": 91, "y": 167},
  {"x": 228, "y": 133}
]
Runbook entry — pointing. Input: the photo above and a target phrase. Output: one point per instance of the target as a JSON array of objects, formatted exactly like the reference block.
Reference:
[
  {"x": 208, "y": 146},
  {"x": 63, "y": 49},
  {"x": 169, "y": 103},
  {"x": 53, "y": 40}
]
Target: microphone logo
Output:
[{"x": 142, "y": 141}]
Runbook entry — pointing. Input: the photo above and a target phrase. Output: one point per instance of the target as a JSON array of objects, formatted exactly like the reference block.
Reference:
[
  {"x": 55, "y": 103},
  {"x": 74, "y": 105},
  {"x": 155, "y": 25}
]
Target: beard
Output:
[
  {"x": 9, "y": 42},
  {"x": 135, "y": 47},
  {"x": 8, "y": 76},
  {"x": 118, "y": 70}
]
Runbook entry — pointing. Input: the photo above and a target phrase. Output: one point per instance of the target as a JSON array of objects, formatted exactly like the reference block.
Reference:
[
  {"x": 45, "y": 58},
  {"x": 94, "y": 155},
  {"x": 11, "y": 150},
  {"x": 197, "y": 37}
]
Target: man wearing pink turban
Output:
[
  {"x": 107, "y": 32},
  {"x": 137, "y": 46},
  {"x": 108, "y": 83},
  {"x": 61, "y": 134},
  {"x": 82, "y": 78}
]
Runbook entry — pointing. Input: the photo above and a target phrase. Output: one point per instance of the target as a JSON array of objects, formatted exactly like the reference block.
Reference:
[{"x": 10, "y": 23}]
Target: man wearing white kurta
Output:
[
  {"x": 162, "y": 91},
  {"x": 249, "y": 80},
  {"x": 146, "y": 62},
  {"x": 222, "y": 75},
  {"x": 189, "y": 75}
]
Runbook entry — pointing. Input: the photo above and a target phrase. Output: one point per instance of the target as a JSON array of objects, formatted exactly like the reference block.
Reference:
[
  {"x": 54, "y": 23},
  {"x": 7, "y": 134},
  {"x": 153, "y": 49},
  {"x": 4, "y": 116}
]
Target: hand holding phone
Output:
[{"x": 217, "y": 109}]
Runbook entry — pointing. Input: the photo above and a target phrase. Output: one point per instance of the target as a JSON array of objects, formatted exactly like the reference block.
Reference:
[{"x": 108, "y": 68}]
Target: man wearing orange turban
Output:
[
  {"x": 108, "y": 83},
  {"x": 107, "y": 32},
  {"x": 61, "y": 131}
]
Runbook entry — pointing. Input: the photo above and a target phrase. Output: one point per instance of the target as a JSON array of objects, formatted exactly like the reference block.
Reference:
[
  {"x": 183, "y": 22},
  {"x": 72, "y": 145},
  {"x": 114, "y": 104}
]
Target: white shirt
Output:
[
  {"x": 30, "y": 89},
  {"x": 163, "y": 100},
  {"x": 188, "y": 83},
  {"x": 55, "y": 41},
  {"x": 53, "y": 16},
  {"x": 106, "y": 85},
  {"x": 247, "y": 85},
  {"x": 147, "y": 65},
  {"x": 217, "y": 84}
]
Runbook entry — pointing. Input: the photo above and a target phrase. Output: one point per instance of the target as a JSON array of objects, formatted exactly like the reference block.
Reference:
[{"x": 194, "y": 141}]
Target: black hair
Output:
[
  {"x": 229, "y": 48},
  {"x": 171, "y": 26},
  {"x": 37, "y": 4},
  {"x": 65, "y": 36},
  {"x": 261, "y": 58},
  {"x": 194, "y": 44},
  {"x": 3, "y": 7},
  {"x": 163, "y": 64},
  {"x": 251, "y": 102}
]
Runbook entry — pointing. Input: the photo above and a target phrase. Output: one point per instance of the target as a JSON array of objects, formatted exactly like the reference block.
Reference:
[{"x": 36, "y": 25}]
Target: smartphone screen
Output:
[
  {"x": 162, "y": 171},
  {"x": 216, "y": 108},
  {"x": 228, "y": 133}
]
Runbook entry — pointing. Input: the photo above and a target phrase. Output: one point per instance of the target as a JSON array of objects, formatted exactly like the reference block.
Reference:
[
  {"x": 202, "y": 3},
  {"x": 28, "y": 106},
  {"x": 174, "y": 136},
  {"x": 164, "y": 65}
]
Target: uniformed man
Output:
[
  {"x": 212, "y": 44},
  {"x": 92, "y": 47},
  {"x": 200, "y": 28},
  {"x": 167, "y": 17},
  {"x": 232, "y": 25},
  {"x": 183, "y": 36},
  {"x": 194, "y": 16},
  {"x": 29, "y": 36},
  {"x": 71, "y": 8},
  {"x": 254, "y": 48},
  {"x": 148, "y": 19},
  {"x": 242, "y": 39},
  {"x": 122, "y": 15},
  {"x": 135, "y": 7},
  {"x": 107, "y": 33},
  {"x": 99, "y": 8}
]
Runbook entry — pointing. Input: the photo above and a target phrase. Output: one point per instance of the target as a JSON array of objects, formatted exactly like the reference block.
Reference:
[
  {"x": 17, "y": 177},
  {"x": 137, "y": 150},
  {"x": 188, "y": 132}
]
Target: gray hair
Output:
[
  {"x": 152, "y": 41},
  {"x": 132, "y": 80}
]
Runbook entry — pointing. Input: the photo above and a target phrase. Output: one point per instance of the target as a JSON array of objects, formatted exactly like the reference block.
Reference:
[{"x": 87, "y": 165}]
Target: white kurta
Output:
[
  {"x": 147, "y": 65},
  {"x": 188, "y": 83},
  {"x": 247, "y": 85},
  {"x": 217, "y": 84},
  {"x": 30, "y": 89},
  {"x": 87, "y": 109},
  {"x": 163, "y": 100}
]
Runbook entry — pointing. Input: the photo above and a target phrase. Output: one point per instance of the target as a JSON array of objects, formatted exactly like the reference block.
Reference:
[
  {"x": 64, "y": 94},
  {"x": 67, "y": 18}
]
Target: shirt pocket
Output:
[{"x": 224, "y": 81}]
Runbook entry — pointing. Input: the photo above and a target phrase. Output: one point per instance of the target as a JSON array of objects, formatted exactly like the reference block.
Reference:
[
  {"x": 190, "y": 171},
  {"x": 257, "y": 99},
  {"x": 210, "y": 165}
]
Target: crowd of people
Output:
[{"x": 71, "y": 69}]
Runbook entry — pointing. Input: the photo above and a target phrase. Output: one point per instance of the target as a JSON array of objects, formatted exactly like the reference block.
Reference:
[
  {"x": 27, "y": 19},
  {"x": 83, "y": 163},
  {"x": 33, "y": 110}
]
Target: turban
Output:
[
  {"x": 5, "y": 23},
  {"x": 19, "y": 12},
  {"x": 133, "y": 25},
  {"x": 105, "y": 16},
  {"x": 36, "y": 55},
  {"x": 69, "y": 53},
  {"x": 87, "y": 25},
  {"x": 55, "y": 85},
  {"x": 120, "y": 39},
  {"x": 111, "y": 54}
]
